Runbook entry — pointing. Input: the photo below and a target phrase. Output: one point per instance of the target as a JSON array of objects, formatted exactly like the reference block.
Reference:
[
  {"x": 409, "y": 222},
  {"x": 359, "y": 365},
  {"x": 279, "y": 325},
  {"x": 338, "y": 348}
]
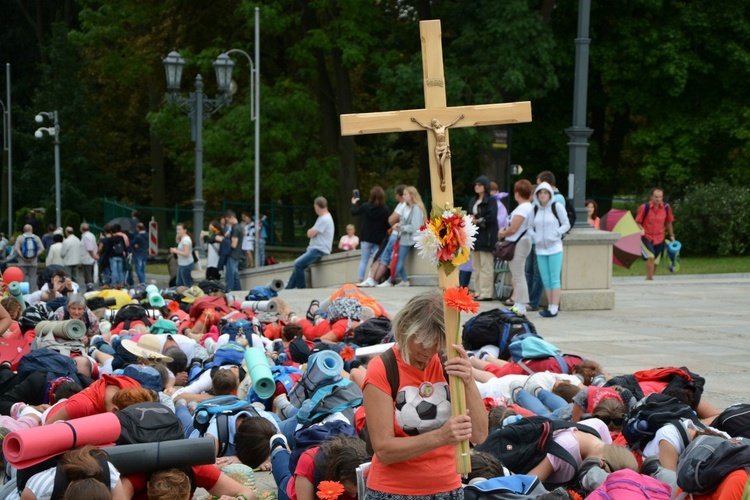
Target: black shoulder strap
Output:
[
  {"x": 391, "y": 371},
  {"x": 62, "y": 481},
  {"x": 554, "y": 211},
  {"x": 646, "y": 208},
  {"x": 222, "y": 426}
]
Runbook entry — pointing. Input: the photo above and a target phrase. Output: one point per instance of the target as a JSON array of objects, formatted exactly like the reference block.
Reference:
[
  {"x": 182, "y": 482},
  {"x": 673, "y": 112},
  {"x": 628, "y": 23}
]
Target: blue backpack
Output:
[
  {"x": 230, "y": 353},
  {"x": 316, "y": 434},
  {"x": 30, "y": 247},
  {"x": 261, "y": 293},
  {"x": 517, "y": 486},
  {"x": 220, "y": 408},
  {"x": 532, "y": 346},
  {"x": 342, "y": 396},
  {"x": 49, "y": 361},
  {"x": 282, "y": 375}
]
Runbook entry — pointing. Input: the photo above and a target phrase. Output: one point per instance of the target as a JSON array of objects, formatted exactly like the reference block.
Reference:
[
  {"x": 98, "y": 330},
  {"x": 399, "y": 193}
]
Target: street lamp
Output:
[
  {"x": 197, "y": 108},
  {"x": 54, "y": 131},
  {"x": 255, "y": 116},
  {"x": 8, "y": 146}
]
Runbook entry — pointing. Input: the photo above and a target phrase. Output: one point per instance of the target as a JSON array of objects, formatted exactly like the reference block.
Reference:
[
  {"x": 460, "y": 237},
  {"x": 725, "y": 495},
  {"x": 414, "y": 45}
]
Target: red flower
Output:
[
  {"x": 459, "y": 298},
  {"x": 330, "y": 490},
  {"x": 347, "y": 353}
]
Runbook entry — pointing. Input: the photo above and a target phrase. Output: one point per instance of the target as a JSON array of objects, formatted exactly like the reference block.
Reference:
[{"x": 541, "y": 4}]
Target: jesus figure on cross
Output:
[{"x": 442, "y": 149}]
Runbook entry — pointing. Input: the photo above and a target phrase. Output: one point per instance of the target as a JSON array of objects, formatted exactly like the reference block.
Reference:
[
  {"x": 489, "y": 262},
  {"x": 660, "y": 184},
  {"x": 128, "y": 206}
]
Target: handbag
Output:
[{"x": 504, "y": 250}]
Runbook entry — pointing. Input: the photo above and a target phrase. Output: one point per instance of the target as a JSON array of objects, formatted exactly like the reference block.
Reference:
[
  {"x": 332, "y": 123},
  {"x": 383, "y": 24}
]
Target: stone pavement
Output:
[{"x": 698, "y": 321}]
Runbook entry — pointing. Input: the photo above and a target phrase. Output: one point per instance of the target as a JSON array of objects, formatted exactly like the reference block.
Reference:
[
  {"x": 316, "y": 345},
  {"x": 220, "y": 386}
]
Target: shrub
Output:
[{"x": 712, "y": 219}]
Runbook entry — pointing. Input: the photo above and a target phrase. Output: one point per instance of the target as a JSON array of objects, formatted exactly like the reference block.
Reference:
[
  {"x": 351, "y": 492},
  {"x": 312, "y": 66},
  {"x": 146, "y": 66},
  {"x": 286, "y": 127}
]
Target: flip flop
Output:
[
  {"x": 311, "y": 315},
  {"x": 509, "y": 302}
]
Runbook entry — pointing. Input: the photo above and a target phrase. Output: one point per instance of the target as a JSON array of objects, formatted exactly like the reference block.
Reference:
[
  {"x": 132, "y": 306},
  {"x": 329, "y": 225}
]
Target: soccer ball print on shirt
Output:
[{"x": 424, "y": 408}]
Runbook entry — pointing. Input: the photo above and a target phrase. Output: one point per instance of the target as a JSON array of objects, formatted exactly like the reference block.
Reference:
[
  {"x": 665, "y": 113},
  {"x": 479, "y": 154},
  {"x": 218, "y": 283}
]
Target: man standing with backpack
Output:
[
  {"x": 652, "y": 218},
  {"x": 28, "y": 248}
]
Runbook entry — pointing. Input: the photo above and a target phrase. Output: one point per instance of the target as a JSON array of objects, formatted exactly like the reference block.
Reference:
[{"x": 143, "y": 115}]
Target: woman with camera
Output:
[{"x": 484, "y": 209}]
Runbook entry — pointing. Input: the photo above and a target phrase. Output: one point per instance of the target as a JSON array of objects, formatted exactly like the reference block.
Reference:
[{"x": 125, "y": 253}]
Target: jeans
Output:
[
  {"x": 533, "y": 279},
  {"x": 140, "y": 267},
  {"x": 545, "y": 404},
  {"x": 186, "y": 419},
  {"x": 385, "y": 257},
  {"x": 280, "y": 470},
  {"x": 261, "y": 257},
  {"x": 102, "y": 346},
  {"x": 368, "y": 250},
  {"x": 403, "y": 251},
  {"x": 297, "y": 279},
  {"x": 232, "y": 274},
  {"x": 115, "y": 266},
  {"x": 184, "y": 276}
]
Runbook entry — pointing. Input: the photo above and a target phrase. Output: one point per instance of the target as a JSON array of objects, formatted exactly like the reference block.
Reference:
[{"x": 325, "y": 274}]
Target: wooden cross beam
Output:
[{"x": 436, "y": 117}]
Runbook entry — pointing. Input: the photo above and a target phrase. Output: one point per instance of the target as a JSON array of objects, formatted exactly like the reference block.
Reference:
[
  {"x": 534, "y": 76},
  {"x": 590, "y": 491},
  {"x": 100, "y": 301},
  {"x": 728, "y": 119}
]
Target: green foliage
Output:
[{"x": 711, "y": 219}]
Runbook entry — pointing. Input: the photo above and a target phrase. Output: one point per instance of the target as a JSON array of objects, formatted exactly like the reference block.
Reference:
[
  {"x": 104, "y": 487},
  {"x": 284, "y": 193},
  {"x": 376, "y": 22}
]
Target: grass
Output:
[{"x": 690, "y": 265}]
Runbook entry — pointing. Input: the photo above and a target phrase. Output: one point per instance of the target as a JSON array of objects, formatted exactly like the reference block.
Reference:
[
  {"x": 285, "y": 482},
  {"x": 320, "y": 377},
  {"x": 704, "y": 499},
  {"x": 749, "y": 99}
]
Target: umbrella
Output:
[
  {"x": 126, "y": 224},
  {"x": 628, "y": 248}
]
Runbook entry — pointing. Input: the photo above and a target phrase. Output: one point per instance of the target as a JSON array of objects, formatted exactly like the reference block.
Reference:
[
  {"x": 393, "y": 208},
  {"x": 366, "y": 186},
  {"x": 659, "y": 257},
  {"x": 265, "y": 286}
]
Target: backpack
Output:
[
  {"x": 653, "y": 412},
  {"x": 372, "y": 331},
  {"x": 340, "y": 396},
  {"x": 61, "y": 479},
  {"x": 220, "y": 408},
  {"x": 495, "y": 327},
  {"x": 29, "y": 247},
  {"x": 230, "y": 353},
  {"x": 647, "y": 209},
  {"x": 316, "y": 434},
  {"x": 571, "y": 213},
  {"x": 49, "y": 361},
  {"x": 344, "y": 308},
  {"x": 261, "y": 293},
  {"x": 148, "y": 422},
  {"x": 210, "y": 304},
  {"x": 532, "y": 346},
  {"x": 520, "y": 446},
  {"x": 708, "y": 460},
  {"x": 129, "y": 313},
  {"x": 118, "y": 246},
  {"x": 735, "y": 420},
  {"x": 514, "y": 487},
  {"x": 628, "y": 484},
  {"x": 239, "y": 327},
  {"x": 34, "y": 314},
  {"x": 679, "y": 380}
]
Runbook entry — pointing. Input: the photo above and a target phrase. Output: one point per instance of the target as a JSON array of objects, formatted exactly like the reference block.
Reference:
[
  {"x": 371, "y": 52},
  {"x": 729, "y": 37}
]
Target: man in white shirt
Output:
[
  {"x": 71, "y": 254},
  {"x": 321, "y": 241},
  {"x": 88, "y": 254}
]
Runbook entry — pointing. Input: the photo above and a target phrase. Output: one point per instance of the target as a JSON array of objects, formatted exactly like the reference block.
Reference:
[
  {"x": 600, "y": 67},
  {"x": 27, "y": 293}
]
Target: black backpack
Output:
[
  {"x": 707, "y": 460},
  {"x": 148, "y": 422},
  {"x": 521, "y": 445},
  {"x": 495, "y": 327},
  {"x": 61, "y": 480},
  {"x": 735, "y": 420},
  {"x": 372, "y": 331},
  {"x": 653, "y": 412},
  {"x": 129, "y": 313}
]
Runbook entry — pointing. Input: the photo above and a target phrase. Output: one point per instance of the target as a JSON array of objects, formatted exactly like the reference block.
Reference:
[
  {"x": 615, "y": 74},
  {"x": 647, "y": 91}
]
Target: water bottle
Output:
[
  {"x": 305, "y": 409},
  {"x": 282, "y": 358}
]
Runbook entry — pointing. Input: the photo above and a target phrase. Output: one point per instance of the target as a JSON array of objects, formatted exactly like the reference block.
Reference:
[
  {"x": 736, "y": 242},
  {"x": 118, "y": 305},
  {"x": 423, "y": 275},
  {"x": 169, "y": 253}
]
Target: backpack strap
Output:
[
  {"x": 62, "y": 481},
  {"x": 554, "y": 211},
  {"x": 222, "y": 426},
  {"x": 391, "y": 371}
]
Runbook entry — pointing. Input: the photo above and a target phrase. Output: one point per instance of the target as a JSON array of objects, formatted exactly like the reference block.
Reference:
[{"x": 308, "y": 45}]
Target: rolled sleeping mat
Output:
[
  {"x": 323, "y": 366},
  {"x": 15, "y": 291},
  {"x": 148, "y": 457},
  {"x": 28, "y": 447},
  {"x": 260, "y": 372},
  {"x": 260, "y": 305},
  {"x": 70, "y": 329},
  {"x": 154, "y": 297},
  {"x": 276, "y": 285}
]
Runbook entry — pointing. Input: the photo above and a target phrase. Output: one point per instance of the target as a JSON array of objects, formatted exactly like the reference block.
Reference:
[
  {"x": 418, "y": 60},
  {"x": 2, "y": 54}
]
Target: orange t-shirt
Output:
[
  {"x": 731, "y": 487},
  {"x": 433, "y": 472}
]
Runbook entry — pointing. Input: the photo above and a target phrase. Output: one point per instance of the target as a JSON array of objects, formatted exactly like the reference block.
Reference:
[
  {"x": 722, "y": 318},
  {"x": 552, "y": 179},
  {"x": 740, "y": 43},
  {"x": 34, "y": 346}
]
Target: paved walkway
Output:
[{"x": 702, "y": 322}]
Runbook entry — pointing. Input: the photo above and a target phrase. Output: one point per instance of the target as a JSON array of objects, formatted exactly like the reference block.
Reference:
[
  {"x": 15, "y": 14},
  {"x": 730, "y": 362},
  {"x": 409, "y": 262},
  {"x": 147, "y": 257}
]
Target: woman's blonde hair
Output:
[
  {"x": 421, "y": 320},
  {"x": 416, "y": 198},
  {"x": 618, "y": 458}
]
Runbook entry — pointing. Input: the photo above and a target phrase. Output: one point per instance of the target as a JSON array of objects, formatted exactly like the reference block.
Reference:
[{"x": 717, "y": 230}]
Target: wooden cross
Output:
[{"x": 437, "y": 118}]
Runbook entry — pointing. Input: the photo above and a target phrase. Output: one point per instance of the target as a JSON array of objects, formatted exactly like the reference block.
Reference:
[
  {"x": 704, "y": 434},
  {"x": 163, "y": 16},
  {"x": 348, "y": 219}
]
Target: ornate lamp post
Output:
[
  {"x": 54, "y": 131},
  {"x": 198, "y": 107}
]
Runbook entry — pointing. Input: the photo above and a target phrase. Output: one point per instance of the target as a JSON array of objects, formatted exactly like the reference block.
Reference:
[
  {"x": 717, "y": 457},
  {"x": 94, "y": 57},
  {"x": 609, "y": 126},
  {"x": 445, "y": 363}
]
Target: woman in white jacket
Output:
[{"x": 550, "y": 225}]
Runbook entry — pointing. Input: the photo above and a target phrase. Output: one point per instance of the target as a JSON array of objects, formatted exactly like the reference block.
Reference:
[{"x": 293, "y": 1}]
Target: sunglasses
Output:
[{"x": 614, "y": 421}]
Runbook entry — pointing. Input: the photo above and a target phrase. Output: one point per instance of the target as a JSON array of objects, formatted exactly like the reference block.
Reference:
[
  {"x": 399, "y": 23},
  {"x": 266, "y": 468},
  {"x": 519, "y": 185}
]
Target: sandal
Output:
[
  {"x": 509, "y": 302},
  {"x": 310, "y": 314}
]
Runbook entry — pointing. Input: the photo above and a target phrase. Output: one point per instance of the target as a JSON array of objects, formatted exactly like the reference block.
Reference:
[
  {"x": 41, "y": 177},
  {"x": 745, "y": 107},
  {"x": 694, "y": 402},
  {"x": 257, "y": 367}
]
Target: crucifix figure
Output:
[
  {"x": 442, "y": 149},
  {"x": 437, "y": 112}
]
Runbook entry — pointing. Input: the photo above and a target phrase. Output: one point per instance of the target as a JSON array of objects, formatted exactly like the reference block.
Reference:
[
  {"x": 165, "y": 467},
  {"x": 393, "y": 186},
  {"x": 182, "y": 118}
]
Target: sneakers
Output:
[
  {"x": 514, "y": 388},
  {"x": 385, "y": 284},
  {"x": 532, "y": 385},
  {"x": 281, "y": 405},
  {"x": 547, "y": 314},
  {"x": 278, "y": 442},
  {"x": 404, "y": 283},
  {"x": 369, "y": 282}
]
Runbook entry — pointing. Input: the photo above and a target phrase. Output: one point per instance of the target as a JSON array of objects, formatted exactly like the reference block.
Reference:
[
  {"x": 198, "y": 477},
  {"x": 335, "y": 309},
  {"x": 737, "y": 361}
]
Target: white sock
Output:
[{"x": 553, "y": 309}]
